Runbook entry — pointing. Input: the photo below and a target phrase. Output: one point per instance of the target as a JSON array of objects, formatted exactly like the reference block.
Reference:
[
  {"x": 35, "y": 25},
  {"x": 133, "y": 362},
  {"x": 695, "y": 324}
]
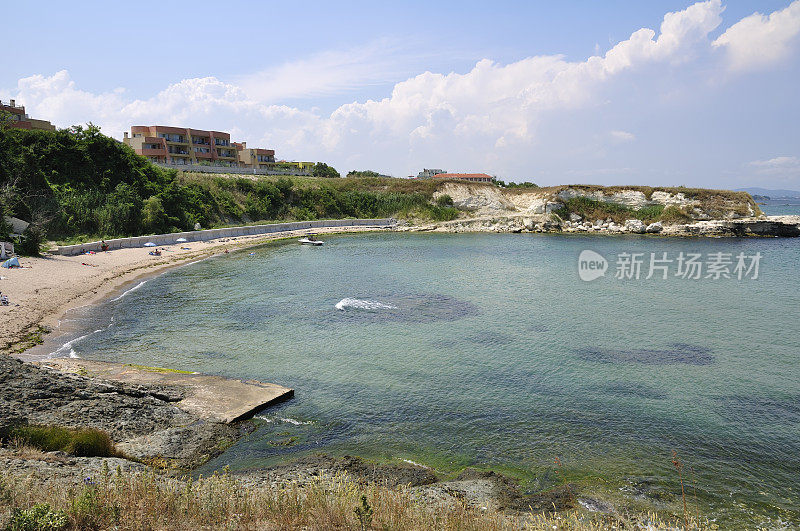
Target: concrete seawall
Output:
[{"x": 230, "y": 232}]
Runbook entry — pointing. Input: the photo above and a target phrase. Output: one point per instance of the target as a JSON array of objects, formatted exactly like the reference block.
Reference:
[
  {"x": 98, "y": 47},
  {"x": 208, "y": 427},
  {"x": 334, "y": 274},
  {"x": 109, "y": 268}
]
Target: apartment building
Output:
[
  {"x": 180, "y": 146},
  {"x": 254, "y": 157},
  {"x": 20, "y": 120},
  {"x": 427, "y": 173}
]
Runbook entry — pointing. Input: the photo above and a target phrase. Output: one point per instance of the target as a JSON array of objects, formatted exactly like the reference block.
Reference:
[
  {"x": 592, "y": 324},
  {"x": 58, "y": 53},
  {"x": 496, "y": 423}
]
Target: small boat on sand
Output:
[{"x": 310, "y": 240}]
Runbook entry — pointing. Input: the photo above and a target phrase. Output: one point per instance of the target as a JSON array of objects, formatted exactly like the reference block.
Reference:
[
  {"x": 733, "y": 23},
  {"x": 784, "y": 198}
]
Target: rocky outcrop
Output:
[
  {"x": 685, "y": 212},
  {"x": 143, "y": 421},
  {"x": 695, "y": 204},
  {"x": 476, "y": 199},
  {"x": 776, "y": 226}
]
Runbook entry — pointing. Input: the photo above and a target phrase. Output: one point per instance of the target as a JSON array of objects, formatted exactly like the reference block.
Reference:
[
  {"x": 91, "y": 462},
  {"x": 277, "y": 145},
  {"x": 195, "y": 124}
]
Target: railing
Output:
[{"x": 8, "y": 104}]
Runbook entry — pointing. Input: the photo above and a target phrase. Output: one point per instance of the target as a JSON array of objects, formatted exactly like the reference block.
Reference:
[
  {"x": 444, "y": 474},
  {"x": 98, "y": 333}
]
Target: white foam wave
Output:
[
  {"x": 137, "y": 286},
  {"x": 362, "y": 304},
  {"x": 283, "y": 419},
  {"x": 410, "y": 462},
  {"x": 68, "y": 346}
]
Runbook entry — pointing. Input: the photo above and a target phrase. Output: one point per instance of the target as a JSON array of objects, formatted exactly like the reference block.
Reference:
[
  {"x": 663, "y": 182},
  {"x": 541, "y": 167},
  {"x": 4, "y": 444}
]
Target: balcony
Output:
[
  {"x": 200, "y": 141},
  {"x": 175, "y": 139},
  {"x": 175, "y": 151}
]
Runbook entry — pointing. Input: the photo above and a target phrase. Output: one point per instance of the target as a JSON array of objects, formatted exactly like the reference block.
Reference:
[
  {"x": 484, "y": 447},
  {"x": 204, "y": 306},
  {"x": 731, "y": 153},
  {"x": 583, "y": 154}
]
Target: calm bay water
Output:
[{"x": 488, "y": 350}]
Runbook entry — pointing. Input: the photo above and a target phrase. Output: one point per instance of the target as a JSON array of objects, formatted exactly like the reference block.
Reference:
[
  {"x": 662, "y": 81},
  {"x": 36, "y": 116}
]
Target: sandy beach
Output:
[{"x": 46, "y": 287}]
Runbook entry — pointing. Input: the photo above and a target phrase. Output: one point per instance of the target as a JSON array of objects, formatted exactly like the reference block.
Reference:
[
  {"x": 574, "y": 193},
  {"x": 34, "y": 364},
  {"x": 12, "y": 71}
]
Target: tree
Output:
[
  {"x": 154, "y": 216},
  {"x": 323, "y": 170},
  {"x": 364, "y": 173}
]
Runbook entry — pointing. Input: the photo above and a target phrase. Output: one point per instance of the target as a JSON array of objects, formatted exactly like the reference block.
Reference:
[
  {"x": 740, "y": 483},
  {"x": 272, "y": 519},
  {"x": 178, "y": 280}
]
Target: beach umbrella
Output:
[
  {"x": 181, "y": 240},
  {"x": 149, "y": 244}
]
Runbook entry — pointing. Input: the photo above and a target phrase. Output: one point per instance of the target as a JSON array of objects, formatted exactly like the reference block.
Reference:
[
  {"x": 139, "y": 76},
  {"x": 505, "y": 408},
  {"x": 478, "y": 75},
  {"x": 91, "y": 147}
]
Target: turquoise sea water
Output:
[
  {"x": 780, "y": 207},
  {"x": 488, "y": 350}
]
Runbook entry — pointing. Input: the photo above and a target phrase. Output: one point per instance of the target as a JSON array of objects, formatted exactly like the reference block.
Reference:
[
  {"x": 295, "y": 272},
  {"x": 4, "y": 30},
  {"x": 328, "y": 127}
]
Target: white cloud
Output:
[
  {"x": 501, "y": 119},
  {"x": 328, "y": 72},
  {"x": 622, "y": 136},
  {"x": 760, "y": 40},
  {"x": 779, "y": 169},
  {"x": 777, "y": 162}
]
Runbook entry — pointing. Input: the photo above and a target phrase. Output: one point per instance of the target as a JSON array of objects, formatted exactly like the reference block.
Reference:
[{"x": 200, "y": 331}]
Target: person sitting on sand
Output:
[{"x": 103, "y": 246}]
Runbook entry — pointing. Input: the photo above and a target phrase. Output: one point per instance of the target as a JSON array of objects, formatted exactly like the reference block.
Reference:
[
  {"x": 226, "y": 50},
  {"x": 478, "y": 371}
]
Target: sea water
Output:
[{"x": 488, "y": 350}]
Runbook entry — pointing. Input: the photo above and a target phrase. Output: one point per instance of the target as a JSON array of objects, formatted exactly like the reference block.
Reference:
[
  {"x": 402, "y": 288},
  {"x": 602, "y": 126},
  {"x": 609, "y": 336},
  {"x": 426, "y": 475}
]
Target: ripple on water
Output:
[
  {"x": 634, "y": 390},
  {"x": 760, "y": 408},
  {"x": 674, "y": 354}
]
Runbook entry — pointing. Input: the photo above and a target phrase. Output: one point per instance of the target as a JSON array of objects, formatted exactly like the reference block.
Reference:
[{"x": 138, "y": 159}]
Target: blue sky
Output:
[{"x": 552, "y": 92}]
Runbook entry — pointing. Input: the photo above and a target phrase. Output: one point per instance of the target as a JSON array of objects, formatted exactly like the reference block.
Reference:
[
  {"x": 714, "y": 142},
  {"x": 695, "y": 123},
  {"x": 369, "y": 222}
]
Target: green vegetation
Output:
[
  {"x": 592, "y": 209},
  {"x": 323, "y": 170},
  {"x": 83, "y": 442},
  {"x": 77, "y": 184},
  {"x": 444, "y": 200},
  {"x": 364, "y": 173},
  {"x": 522, "y": 185},
  {"x": 715, "y": 202},
  {"x": 130, "y": 500},
  {"x": 31, "y": 339},
  {"x": 158, "y": 369},
  {"x": 38, "y": 518},
  {"x": 674, "y": 214}
]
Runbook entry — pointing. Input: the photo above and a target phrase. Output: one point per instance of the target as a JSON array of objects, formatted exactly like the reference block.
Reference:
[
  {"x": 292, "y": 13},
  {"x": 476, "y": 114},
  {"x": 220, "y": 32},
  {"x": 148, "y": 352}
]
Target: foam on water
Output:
[
  {"x": 362, "y": 304},
  {"x": 68, "y": 346},
  {"x": 287, "y": 420},
  {"x": 137, "y": 286}
]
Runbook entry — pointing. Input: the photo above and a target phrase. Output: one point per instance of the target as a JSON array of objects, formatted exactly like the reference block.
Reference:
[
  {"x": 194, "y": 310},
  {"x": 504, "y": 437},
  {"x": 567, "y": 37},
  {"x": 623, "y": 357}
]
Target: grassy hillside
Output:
[{"x": 77, "y": 183}]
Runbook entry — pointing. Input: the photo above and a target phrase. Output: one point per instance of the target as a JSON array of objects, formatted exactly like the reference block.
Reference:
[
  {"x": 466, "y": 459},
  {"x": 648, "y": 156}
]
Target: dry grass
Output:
[
  {"x": 150, "y": 501},
  {"x": 20, "y": 449}
]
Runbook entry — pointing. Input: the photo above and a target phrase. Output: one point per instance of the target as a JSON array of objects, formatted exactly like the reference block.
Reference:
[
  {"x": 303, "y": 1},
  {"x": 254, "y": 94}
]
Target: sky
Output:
[{"x": 613, "y": 92}]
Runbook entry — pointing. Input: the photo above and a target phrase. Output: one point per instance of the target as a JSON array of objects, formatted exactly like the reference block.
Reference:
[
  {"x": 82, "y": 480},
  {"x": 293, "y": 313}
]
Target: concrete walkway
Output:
[{"x": 210, "y": 397}]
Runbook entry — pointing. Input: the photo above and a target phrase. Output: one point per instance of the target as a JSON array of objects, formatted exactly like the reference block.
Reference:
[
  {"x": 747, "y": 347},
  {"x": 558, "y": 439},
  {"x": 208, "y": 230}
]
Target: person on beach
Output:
[{"x": 103, "y": 246}]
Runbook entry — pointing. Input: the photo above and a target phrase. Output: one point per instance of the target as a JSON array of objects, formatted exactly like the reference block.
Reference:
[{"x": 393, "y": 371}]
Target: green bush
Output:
[
  {"x": 83, "y": 442},
  {"x": 673, "y": 214},
  {"x": 154, "y": 217},
  {"x": 45, "y": 438},
  {"x": 323, "y": 170},
  {"x": 444, "y": 201},
  {"x": 38, "y": 518},
  {"x": 649, "y": 214},
  {"x": 90, "y": 442},
  {"x": 30, "y": 242}
]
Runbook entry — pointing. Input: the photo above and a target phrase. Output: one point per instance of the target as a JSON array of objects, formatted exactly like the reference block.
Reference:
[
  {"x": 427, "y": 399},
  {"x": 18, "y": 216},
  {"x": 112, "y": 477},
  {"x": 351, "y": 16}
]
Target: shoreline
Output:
[
  {"x": 41, "y": 299},
  {"x": 114, "y": 275},
  {"x": 122, "y": 280}
]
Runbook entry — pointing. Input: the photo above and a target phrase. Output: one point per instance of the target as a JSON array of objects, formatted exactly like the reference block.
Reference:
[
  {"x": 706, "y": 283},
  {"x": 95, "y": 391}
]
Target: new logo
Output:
[{"x": 591, "y": 265}]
